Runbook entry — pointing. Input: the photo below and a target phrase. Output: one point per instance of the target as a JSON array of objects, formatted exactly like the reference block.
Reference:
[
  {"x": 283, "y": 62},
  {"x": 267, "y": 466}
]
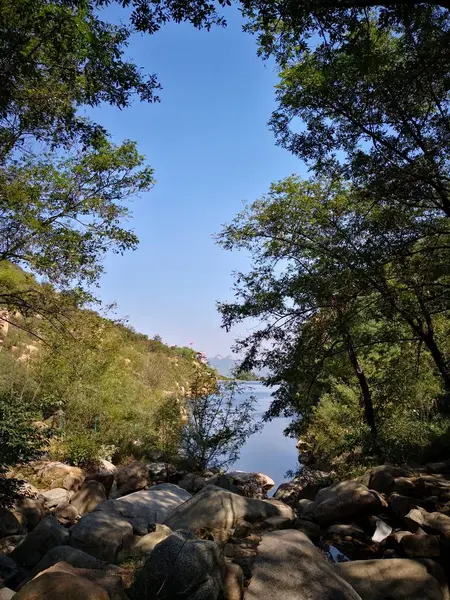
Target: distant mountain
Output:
[{"x": 223, "y": 364}]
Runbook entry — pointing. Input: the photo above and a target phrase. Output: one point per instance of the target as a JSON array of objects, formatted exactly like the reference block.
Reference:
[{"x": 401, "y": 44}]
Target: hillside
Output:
[{"x": 103, "y": 387}]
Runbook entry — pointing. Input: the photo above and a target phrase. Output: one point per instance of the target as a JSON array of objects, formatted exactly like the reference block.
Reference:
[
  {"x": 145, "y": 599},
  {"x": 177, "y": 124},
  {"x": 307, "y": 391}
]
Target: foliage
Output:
[
  {"x": 21, "y": 439},
  {"x": 218, "y": 425},
  {"x": 243, "y": 375}
]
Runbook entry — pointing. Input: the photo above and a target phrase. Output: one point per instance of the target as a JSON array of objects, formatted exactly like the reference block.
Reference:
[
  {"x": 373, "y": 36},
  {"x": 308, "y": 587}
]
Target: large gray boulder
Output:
[
  {"x": 219, "y": 509},
  {"x": 146, "y": 507},
  {"x": 55, "y": 497},
  {"x": 89, "y": 496},
  {"x": 289, "y": 567},
  {"x": 131, "y": 478},
  {"x": 347, "y": 499},
  {"x": 187, "y": 568},
  {"x": 47, "y": 534},
  {"x": 396, "y": 579},
  {"x": 74, "y": 557},
  {"x": 104, "y": 535}
]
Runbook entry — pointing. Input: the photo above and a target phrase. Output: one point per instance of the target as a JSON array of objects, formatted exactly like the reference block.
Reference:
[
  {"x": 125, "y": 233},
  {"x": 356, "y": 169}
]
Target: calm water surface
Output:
[{"x": 268, "y": 451}]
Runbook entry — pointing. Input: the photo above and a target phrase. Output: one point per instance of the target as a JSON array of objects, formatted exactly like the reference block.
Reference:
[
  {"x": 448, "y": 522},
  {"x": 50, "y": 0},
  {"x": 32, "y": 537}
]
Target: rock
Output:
[
  {"x": 393, "y": 579},
  {"x": 102, "y": 534},
  {"x": 438, "y": 467},
  {"x": 146, "y": 543},
  {"x": 242, "y": 529},
  {"x": 342, "y": 530},
  {"x": 57, "y": 474},
  {"x": 55, "y": 497},
  {"x": 192, "y": 483},
  {"x": 107, "y": 467},
  {"x": 185, "y": 567},
  {"x": 9, "y": 523},
  {"x": 401, "y": 505},
  {"x": 66, "y": 514},
  {"x": 225, "y": 482},
  {"x": 6, "y": 593},
  {"x": 112, "y": 584},
  {"x": 415, "y": 519},
  {"x": 382, "y": 478},
  {"x": 33, "y": 510},
  {"x": 277, "y": 522},
  {"x": 74, "y": 557},
  {"x": 106, "y": 479},
  {"x": 288, "y": 566},
  {"x": 132, "y": 478},
  {"x": 406, "y": 486},
  {"x": 312, "y": 530},
  {"x": 348, "y": 499},
  {"x": 47, "y": 534},
  {"x": 10, "y": 543},
  {"x": 89, "y": 496},
  {"x": 9, "y": 570},
  {"x": 253, "y": 483},
  {"x": 437, "y": 523},
  {"x": 147, "y": 507},
  {"x": 305, "y": 507},
  {"x": 219, "y": 509},
  {"x": 420, "y": 546},
  {"x": 57, "y": 585},
  {"x": 305, "y": 486},
  {"x": 160, "y": 470}
]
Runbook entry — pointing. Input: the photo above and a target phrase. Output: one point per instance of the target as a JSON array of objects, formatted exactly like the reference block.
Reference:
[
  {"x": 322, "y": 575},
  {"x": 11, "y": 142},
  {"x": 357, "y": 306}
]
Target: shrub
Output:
[{"x": 217, "y": 426}]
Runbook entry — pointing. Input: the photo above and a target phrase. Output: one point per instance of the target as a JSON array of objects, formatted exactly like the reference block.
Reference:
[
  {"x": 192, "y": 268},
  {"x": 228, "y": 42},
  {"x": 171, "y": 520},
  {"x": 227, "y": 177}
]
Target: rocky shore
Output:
[{"x": 146, "y": 531}]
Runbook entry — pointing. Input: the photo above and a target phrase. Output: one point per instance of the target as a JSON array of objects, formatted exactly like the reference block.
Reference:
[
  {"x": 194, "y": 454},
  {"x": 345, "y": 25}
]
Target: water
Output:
[{"x": 268, "y": 451}]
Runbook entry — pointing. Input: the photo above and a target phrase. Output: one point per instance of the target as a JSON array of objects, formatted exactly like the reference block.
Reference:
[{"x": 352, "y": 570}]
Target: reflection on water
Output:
[{"x": 268, "y": 451}]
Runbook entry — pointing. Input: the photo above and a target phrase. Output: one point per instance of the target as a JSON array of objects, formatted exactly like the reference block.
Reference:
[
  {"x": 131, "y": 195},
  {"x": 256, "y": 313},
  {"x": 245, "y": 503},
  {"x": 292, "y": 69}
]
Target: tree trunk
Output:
[
  {"x": 363, "y": 384},
  {"x": 442, "y": 367}
]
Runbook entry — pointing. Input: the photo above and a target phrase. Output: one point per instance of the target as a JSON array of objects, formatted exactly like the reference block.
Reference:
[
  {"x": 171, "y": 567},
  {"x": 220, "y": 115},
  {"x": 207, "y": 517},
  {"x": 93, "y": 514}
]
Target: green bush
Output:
[{"x": 81, "y": 449}]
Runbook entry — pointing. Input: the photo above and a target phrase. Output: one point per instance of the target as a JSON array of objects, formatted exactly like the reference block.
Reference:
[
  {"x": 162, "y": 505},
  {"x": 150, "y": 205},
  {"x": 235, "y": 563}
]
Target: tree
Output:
[
  {"x": 58, "y": 217},
  {"x": 218, "y": 426},
  {"x": 324, "y": 283}
]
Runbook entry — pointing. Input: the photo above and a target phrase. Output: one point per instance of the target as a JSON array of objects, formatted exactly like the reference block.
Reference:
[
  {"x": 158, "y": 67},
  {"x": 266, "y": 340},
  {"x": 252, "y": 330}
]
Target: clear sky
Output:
[{"x": 211, "y": 149}]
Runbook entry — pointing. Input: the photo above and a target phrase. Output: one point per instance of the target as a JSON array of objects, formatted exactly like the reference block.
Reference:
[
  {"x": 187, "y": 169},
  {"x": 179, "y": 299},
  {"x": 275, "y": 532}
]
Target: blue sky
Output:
[{"x": 211, "y": 149}]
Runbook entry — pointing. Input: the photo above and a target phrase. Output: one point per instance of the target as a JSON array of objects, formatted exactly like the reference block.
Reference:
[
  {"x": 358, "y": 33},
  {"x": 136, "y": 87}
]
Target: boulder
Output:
[
  {"x": 58, "y": 474},
  {"x": 382, "y": 478},
  {"x": 146, "y": 543},
  {"x": 106, "y": 466},
  {"x": 348, "y": 499},
  {"x": 112, "y": 584},
  {"x": 406, "y": 486},
  {"x": 416, "y": 545},
  {"x": 9, "y": 570},
  {"x": 9, "y": 523},
  {"x": 312, "y": 530},
  {"x": 55, "y": 497},
  {"x": 46, "y": 535},
  {"x": 102, "y": 534},
  {"x": 305, "y": 486},
  {"x": 305, "y": 507},
  {"x": 10, "y": 543},
  {"x": 66, "y": 514},
  {"x": 75, "y": 558},
  {"x": 187, "y": 568},
  {"x": 224, "y": 481},
  {"x": 32, "y": 509},
  {"x": 106, "y": 479},
  {"x": 344, "y": 530},
  {"x": 131, "y": 478},
  {"x": 143, "y": 509},
  {"x": 6, "y": 593},
  {"x": 217, "y": 509},
  {"x": 89, "y": 496},
  {"x": 192, "y": 483},
  {"x": 277, "y": 522},
  {"x": 59, "y": 584},
  {"x": 396, "y": 579},
  {"x": 253, "y": 484},
  {"x": 401, "y": 505},
  {"x": 288, "y": 566}
]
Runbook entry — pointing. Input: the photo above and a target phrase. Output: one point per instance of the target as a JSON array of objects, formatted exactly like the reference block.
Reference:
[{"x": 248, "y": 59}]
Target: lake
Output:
[{"x": 268, "y": 451}]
